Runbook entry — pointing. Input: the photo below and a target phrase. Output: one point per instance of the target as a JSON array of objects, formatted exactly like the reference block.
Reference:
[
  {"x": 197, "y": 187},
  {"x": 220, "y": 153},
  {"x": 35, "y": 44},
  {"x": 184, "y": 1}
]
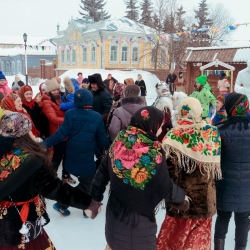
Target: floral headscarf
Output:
[
  {"x": 196, "y": 143},
  {"x": 236, "y": 105},
  {"x": 220, "y": 115},
  {"x": 8, "y": 102},
  {"x": 134, "y": 154}
]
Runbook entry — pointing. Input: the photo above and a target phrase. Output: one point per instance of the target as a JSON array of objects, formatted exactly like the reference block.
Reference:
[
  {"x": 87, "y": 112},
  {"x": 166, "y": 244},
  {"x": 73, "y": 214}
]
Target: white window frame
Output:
[
  {"x": 63, "y": 56},
  {"x": 68, "y": 56},
  {"x": 163, "y": 57},
  {"x": 113, "y": 53},
  {"x": 135, "y": 55},
  {"x": 124, "y": 54},
  {"x": 3, "y": 67},
  {"x": 73, "y": 56},
  {"x": 13, "y": 67},
  {"x": 84, "y": 55},
  {"x": 8, "y": 68},
  {"x": 18, "y": 67},
  {"x": 93, "y": 55}
]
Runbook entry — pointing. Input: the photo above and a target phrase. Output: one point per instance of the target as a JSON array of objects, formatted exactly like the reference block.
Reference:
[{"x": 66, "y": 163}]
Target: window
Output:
[
  {"x": 84, "y": 54},
  {"x": 163, "y": 57},
  {"x": 113, "y": 53},
  {"x": 124, "y": 54},
  {"x": 135, "y": 54},
  {"x": 3, "y": 67},
  {"x": 73, "y": 56},
  {"x": 13, "y": 68},
  {"x": 62, "y": 56},
  {"x": 68, "y": 56},
  {"x": 7, "y": 68},
  {"x": 153, "y": 55},
  {"x": 93, "y": 54},
  {"x": 18, "y": 67}
]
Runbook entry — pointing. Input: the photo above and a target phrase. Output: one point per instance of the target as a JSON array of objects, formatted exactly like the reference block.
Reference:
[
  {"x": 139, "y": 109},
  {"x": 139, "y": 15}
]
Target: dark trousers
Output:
[
  {"x": 58, "y": 156},
  {"x": 84, "y": 185},
  {"x": 242, "y": 224}
]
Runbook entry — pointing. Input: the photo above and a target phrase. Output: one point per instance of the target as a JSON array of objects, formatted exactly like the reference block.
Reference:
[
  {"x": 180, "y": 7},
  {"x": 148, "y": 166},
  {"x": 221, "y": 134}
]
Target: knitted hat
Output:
[
  {"x": 51, "y": 85},
  {"x": 85, "y": 80},
  {"x": 201, "y": 79},
  {"x": 24, "y": 89},
  {"x": 58, "y": 79},
  {"x": 15, "y": 125},
  {"x": 83, "y": 97},
  {"x": 131, "y": 90},
  {"x": 2, "y": 76},
  {"x": 68, "y": 85},
  {"x": 129, "y": 81}
]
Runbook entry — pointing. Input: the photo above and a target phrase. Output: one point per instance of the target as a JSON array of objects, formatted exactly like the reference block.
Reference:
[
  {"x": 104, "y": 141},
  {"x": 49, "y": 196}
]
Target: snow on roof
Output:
[
  {"x": 18, "y": 51},
  {"x": 30, "y": 40},
  {"x": 217, "y": 47},
  {"x": 242, "y": 55},
  {"x": 119, "y": 25}
]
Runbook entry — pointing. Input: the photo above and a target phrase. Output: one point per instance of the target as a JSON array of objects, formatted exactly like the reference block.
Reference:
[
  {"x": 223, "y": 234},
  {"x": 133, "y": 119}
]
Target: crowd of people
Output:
[{"x": 102, "y": 131}]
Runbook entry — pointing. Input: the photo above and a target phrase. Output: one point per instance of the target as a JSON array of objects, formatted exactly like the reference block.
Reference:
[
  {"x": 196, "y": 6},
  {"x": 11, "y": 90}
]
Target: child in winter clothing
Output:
[
  {"x": 71, "y": 85},
  {"x": 221, "y": 114},
  {"x": 4, "y": 88}
]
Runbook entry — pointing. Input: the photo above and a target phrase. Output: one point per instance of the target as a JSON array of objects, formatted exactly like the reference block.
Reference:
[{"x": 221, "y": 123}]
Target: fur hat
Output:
[
  {"x": 15, "y": 125},
  {"x": 96, "y": 78},
  {"x": 201, "y": 80},
  {"x": 69, "y": 85},
  {"x": 83, "y": 97},
  {"x": 51, "y": 85},
  {"x": 58, "y": 79},
  {"x": 129, "y": 81},
  {"x": 131, "y": 90},
  {"x": 2, "y": 76}
]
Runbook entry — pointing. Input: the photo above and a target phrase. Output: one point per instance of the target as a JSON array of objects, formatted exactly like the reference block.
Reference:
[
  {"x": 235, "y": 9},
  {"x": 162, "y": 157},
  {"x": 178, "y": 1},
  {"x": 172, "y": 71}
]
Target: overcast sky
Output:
[{"x": 40, "y": 17}]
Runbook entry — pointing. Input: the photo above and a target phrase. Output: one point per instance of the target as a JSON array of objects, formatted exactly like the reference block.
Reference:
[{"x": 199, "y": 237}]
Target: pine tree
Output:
[
  {"x": 146, "y": 15},
  {"x": 94, "y": 9},
  {"x": 132, "y": 10},
  {"x": 202, "y": 15},
  {"x": 180, "y": 22}
]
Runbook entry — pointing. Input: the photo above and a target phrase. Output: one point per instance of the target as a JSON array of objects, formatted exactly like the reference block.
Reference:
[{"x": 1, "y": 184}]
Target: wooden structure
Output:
[
  {"x": 216, "y": 63},
  {"x": 200, "y": 58}
]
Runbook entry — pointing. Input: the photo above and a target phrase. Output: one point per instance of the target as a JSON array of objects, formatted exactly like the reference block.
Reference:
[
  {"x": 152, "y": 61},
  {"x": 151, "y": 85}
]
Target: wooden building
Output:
[{"x": 197, "y": 58}]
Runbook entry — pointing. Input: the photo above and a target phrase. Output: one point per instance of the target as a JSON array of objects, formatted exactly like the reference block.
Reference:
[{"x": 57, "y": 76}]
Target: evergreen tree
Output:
[
  {"x": 132, "y": 10},
  {"x": 94, "y": 9},
  {"x": 146, "y": 15},
  {"x": 202, "y": 15},
  {"x": 180, "y": 22}
]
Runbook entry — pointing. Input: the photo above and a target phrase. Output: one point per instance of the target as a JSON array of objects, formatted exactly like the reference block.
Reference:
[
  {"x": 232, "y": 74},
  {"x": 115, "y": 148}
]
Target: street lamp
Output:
[{"x": 25, "y": 46}]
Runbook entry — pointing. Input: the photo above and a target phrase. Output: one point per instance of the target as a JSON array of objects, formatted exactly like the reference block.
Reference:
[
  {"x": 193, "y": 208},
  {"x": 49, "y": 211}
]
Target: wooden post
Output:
[{"x": 232, "y": 80}]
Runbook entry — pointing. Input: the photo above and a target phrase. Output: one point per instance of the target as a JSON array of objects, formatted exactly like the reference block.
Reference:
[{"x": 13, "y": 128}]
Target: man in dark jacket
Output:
[
  {"x": 170, "y": 81},
  {"x": 84, "y": 128},
  {"x": 102, "y": 98},
  {"x": 233, "y": 191}
]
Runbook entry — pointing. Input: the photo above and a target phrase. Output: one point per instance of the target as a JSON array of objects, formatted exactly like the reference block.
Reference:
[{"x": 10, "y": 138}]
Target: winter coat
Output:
[
  {"x": 5, "y": 88},
  {"x": 206, "y": 99},
  {"x": 141, "y": 84},
  {"x": 233, "y": 191},
  {"x": 102, "y": 101},
  {"x": 223, "y": 86},
  {"x": 20, "y": 83},
  {"x": 122, "y": 115},
  {"x": 84, "y": 128},
  {"x": 68, "y": 98},
  {"x": 53, "y": 112},
  {"x": 30, "y": 179},
  {"x": 135, "y": 231}
]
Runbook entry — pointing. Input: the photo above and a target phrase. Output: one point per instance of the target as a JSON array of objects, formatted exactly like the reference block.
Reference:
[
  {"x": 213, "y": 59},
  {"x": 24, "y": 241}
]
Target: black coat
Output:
[
  {"x": 27, "y": 181},
  {"x": 171, "y": 78},
  {"x": 233, "y": 191},
  {"x": 141, "y": 84},
  {"x": 102, "y": 101}
]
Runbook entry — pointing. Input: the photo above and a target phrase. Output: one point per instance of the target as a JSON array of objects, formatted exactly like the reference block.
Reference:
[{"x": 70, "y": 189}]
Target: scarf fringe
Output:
[{"x": 189, "y": 164}]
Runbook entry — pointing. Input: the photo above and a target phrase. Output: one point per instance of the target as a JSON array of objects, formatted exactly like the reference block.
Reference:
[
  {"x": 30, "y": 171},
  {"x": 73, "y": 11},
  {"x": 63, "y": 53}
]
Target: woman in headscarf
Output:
[
  {"x": 233, "y": 191},
  {"x": 221, "y": 114},
  {"x": 192, "y": 149},
  {"x": 13, "y": 102},
  {"x": 26, "y": 177},
  {"x": 135, "y": 165}
]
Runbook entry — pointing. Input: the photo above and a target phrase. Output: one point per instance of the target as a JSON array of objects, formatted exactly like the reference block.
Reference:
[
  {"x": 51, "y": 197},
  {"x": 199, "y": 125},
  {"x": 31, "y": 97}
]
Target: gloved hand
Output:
[
  {"x": 93, "y": 209},
  {"x": 184, "y": 206}
]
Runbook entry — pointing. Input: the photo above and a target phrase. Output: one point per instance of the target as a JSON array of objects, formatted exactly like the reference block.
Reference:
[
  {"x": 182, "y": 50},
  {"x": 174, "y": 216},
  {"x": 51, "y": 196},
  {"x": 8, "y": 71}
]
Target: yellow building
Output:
[{"x": 108, "y": 44}]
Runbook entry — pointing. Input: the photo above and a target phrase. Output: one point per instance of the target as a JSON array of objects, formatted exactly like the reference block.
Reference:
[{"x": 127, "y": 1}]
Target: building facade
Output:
[{"x": 108, "y": 44}]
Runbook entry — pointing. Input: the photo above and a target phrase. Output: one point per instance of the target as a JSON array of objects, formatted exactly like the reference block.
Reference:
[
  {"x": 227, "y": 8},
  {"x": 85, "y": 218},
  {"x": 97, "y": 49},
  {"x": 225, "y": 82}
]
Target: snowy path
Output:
[{"x": 76, "y": 233}]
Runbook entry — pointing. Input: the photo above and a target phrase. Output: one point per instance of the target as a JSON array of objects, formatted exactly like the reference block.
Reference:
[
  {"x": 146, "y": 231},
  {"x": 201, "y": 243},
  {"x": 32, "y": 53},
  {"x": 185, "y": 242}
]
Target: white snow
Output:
[{"x": 242, "y": 55}]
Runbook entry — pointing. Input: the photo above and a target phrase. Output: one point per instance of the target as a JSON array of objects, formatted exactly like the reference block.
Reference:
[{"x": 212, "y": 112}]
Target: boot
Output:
[
  {"x": 239, "y": 248},
  {"x": 219, "y": 244}
]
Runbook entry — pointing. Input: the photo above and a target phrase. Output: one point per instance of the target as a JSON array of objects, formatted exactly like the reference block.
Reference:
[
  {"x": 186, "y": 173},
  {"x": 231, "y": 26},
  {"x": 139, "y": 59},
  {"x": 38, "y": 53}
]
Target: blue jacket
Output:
[
  {"x": 68, "y": 98},
  {"x": 233, "y": 191},
  {"x": 84, "y": 128}
]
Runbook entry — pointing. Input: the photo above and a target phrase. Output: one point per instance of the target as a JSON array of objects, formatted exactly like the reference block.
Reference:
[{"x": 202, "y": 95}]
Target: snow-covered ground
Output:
[{"x": 76, "y": 233}]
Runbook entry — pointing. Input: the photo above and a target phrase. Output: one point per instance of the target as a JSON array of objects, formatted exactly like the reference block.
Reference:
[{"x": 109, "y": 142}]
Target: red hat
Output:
[{"x": 22, "y": 90}]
